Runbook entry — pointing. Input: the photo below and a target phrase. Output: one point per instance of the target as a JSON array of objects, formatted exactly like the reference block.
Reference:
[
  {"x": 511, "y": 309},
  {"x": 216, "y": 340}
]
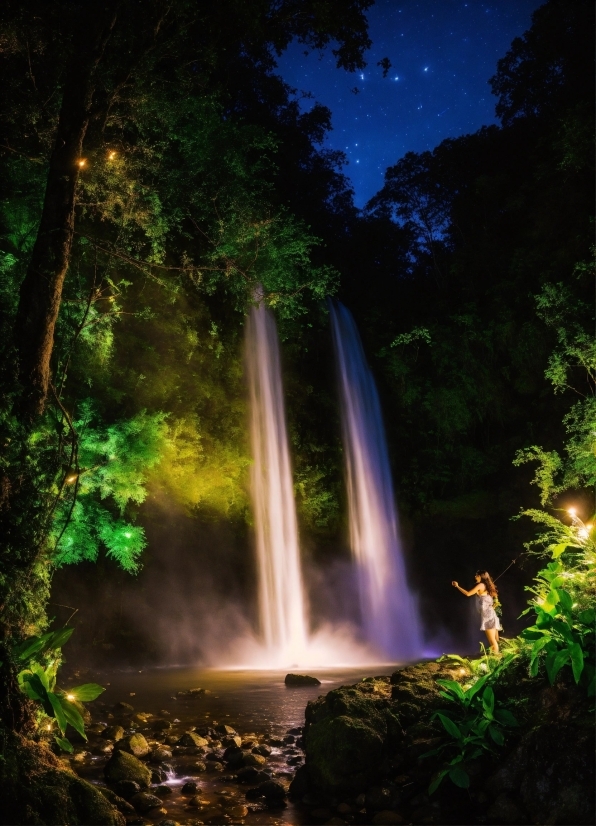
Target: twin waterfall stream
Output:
[{"x": 389, "y": 621}]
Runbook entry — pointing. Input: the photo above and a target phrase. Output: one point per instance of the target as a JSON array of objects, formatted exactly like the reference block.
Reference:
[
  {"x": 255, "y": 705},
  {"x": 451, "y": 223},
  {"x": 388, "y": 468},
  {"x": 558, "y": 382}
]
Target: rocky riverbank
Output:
[{"x": 363, "y": 745}]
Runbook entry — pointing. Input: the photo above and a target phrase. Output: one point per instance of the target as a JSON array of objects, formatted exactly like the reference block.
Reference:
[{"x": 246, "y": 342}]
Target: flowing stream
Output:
[
  {"x": 282, "y": 604},
  {"x": 389, "y": 610}
]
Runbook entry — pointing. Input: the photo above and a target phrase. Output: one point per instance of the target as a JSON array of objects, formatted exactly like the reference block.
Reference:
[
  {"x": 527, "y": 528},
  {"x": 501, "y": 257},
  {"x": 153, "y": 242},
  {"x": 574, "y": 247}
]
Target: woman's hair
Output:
[{"x": 491, "y": 588}]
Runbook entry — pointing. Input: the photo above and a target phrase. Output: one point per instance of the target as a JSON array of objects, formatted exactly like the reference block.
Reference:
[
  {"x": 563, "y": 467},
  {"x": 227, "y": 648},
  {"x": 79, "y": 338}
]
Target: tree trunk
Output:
[{"x": 41, "y": 290}]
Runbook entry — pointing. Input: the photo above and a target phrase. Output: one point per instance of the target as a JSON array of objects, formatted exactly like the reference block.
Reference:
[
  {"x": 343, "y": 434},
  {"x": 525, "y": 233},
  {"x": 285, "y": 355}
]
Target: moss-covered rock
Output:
[
  {"x": 38, "y": 789},
  {"x": 125, "y": 766},
  {"x": 369, "y": 738}
]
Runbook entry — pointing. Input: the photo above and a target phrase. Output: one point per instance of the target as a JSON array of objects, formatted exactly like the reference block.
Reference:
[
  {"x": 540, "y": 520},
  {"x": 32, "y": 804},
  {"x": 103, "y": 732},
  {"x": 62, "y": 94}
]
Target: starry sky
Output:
[{"x": 442, "y": 53}]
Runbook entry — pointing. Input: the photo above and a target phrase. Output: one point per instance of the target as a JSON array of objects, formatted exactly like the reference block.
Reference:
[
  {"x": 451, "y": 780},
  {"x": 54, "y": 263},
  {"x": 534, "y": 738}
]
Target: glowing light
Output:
[
  {"x": 48, "y": 727},
  {"x": 571, "y": 511},
  {"x": 82, "y": 163},
  {"x": 70, "y": 479},
  {"x": 111, "y": 156},
  {"x": 128, "y": 534},
  {"x": 584, "y": 533},
  {"x": 70, "y": 697}
]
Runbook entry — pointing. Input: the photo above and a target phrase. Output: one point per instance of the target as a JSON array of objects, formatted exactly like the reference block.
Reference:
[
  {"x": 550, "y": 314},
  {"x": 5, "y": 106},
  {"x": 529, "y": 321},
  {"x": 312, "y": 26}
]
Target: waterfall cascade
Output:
[
  {"x": 282, "y": 605},
  {"x": 389, "y": 610}
]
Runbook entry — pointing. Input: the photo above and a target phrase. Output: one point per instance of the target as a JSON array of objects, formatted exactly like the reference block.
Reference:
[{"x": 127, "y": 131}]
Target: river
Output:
[{"x": 257, "y": 704}]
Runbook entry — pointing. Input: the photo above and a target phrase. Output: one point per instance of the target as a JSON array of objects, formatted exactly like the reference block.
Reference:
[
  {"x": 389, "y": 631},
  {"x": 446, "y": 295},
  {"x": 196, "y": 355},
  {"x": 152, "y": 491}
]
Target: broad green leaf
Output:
[
  {"x": 505, "y": 717},
  {"x": 58, "y": 711},
  {"x": 437, "y": 781},
  {"x": 30, "y": 646},
  {"x": 33, "y": 687},
  {"x": 460, "y": 777},
  {"x": 565, "y": 599},
  {"x": 449, "y": 726},
  {"x": 41, "y": 673},
  {"x": 474, "y": 689},
  {"x": 564, "y": 630},
  {"x": 59, "y": 638},
  {"x": 555, "y": 662},
  {"x": 587, "y": 617},
  {"x": 544, "y": 618},
  {"x": 557, "y": 550},
  {"x": 536, "y": 648},
  {"x": 497, "y": 735},
  {"x": 577, "y": 660},
  {"x": 452, "y": 686},
  {"x": 72, "y": 716},
  {"x": 488, "y": 699},
  {"x": 87, "y": 692},
  {"x": 533, "y": 633},
  {"x": 64, "y": 744}
]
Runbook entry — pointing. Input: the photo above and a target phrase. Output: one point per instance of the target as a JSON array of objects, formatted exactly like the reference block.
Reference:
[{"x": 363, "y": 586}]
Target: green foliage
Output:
[
  {"x": 474, "y": 726},
  {"x": 564, "y": 603},
  {"x": 41, "y": 658},
  {"x": 110, "y": 473}
]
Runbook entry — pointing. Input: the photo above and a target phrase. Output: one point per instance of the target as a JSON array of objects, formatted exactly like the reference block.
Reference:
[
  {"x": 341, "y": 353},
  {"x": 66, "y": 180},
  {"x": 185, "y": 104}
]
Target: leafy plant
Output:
[
  {"x": 563, "y": 632},
  {"x": 38, "y": 681},
  {"x": 476, "y": 726}
]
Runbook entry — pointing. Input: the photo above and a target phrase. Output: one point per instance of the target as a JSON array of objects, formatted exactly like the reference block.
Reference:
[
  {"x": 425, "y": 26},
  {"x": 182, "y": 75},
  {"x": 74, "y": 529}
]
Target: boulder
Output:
[
  {"x": 250, "y": 759},
  {"x": 160, "y": 755},
  {"x": 119, "y": 802},
  {"x": 296, "y": 680},
  {"x": 112, "y": 733},
  {"x": 125, "y": 766},
  {"x": 126, "y": 788},
  {"x": 191, "y": 738},
  {"x": 162, "y": 791},
  {"x": 272, "y": 789},
  {"x": 227, "y": 731},
  {"x": 160, "y": 724},
  {"x": 252, "y": 775},
  {"x": 134, "y": 744},
  {"x": 144, "y": 802},
  {"x": 190, "y": 787}
]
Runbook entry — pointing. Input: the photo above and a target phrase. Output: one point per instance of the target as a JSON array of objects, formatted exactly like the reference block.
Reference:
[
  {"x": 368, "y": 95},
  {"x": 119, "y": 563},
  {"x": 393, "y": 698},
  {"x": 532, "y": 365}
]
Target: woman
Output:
[{"x": 486, "y": 592}]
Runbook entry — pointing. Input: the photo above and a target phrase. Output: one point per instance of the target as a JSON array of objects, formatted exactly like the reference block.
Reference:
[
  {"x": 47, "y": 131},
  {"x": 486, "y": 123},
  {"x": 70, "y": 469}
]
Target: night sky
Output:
[{"x": 442, "y": 51}]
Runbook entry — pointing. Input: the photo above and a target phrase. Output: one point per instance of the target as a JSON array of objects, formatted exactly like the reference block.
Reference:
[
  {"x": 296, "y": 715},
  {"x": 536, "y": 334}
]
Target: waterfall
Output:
[
  {"x": 282, "y": 611},
  {"x": 389, "y": 610}
]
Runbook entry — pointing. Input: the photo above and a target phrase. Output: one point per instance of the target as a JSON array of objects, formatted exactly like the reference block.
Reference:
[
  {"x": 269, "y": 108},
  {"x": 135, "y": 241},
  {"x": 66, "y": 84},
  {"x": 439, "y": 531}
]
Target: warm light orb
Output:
[
  {"x": 111, "y": 156},
  {"x": 48, "y": 727},
  {"x": 70, "y": 697},
  {"x": 571, "y": 511},
  {"x": 70, "y": 479},
  {"x": 82, "y": 163}
]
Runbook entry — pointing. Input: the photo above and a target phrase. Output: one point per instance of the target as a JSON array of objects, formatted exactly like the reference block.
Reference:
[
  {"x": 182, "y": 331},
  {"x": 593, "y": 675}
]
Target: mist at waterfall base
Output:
[{"x": 389, "y": 610}]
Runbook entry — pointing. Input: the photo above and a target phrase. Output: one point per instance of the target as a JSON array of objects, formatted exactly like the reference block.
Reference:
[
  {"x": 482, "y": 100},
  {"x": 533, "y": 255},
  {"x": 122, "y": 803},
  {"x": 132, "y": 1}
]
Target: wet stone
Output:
[
  {"x": 214, "y": 766},
  {"x": 143, "y": 802},
  {"x": 134, "y": 744},
  {"x": 263, "y": 750},
  {"x": 191, "y": 738},
  {"x": 123, "y": 708},
  {"x": 162, "y": 791},
  {"x": 297, "y": 680},
  {"x": 112, "y": 733},
  {"x": 126, "y": 788},
  {"x": 190, "y": 787}
]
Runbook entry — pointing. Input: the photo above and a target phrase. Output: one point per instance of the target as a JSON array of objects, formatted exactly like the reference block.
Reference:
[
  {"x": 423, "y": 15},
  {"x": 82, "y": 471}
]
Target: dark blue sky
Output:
[{"x": 443, "y": 52}]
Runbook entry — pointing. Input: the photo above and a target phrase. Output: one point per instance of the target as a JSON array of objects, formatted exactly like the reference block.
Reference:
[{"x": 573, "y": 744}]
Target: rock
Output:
[
  {"x": 215, "y": 766},
  {"x": 162, "y": 791},
  {"x": 228, "y": 731},
  {"x": 125, "y": 766},
  {"x": 272, "y": 789},
  {"x": 168, "y": 823},
  {"x": 134, "y": 744},
  {"x": 126, "y": 788},
  {"x": 160, "y": 754},
  {"x": 295, "y": 761},
  {"x": 299, "y": 785},
  {"x": 250, "y": 774},
  {"x": 158, "y": 775},
  {"x": 190, "y": 738},
  {"x": 293, "y": 680},
  {"x": 200, "y": 766},
  {"x": 112, "y": 733},
  {"x": 505, "y": 810},
  {"x": 123, "y": 708},
  {"x": 231, "y": 742},
  {"x": 144, "y": 802},
  {"x": 276, "y": 742},
  {"x": 190, "y": 787},
  {"x": 119, "y": 802},
  {"x": 344, "y": 809},
  {"x": 295, "y": 730},
  {"x": 250, "y": 759},
  {"x": 238, "y": 812},
  {"x": 289, "y": 739},
  {"x": 378, "y": 798},
  {"x": 387, "y": 818},
  {"x": 160, "y": 725}
]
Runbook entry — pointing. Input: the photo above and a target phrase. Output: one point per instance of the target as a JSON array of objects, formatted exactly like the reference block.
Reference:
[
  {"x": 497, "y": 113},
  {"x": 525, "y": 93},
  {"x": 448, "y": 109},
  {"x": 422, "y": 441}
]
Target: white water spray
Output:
[
  {"x": 282, "y": 604},
  {"x": 389, "y": 611}
]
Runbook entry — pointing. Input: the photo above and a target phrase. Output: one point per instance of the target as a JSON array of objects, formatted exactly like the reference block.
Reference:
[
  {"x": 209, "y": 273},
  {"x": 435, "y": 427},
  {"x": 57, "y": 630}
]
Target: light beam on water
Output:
[
  {"x": 389, "y": 610},
  {"x": 282, "y": 604}
]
